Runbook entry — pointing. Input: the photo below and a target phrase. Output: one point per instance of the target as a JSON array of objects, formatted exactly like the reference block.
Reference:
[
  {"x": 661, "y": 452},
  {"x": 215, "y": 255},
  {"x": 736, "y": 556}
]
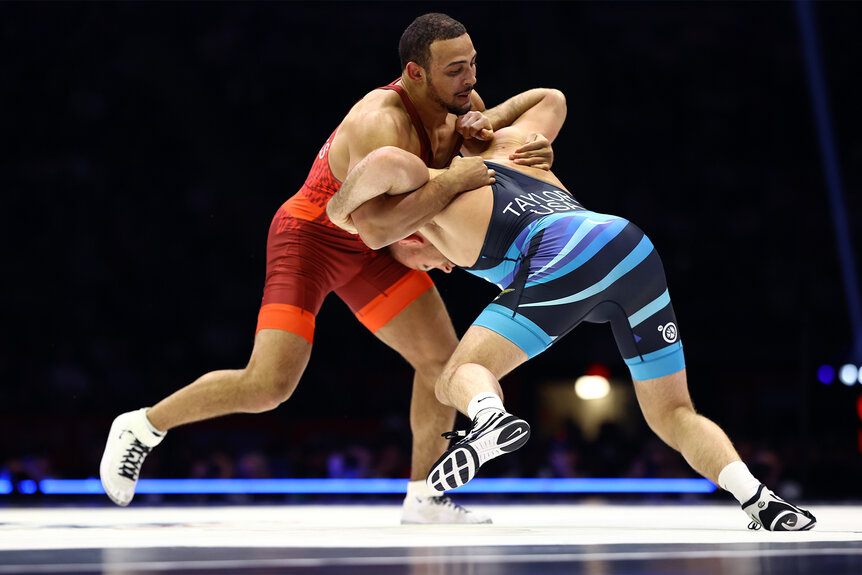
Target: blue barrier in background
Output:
[{"x": 365, "y": 486}]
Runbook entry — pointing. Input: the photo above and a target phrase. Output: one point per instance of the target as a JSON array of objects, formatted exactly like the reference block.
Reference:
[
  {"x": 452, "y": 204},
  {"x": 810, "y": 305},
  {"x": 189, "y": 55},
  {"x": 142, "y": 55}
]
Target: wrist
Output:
[{"x": 447, "y": 184}]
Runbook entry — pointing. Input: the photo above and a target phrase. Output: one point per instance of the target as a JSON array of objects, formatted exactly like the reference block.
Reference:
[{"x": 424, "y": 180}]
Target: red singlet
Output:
[{"x": 307, "y": 256}]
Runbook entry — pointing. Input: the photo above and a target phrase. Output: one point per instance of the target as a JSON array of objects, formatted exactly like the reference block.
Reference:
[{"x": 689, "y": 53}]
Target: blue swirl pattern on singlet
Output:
[{"x": 559, "y": 264}]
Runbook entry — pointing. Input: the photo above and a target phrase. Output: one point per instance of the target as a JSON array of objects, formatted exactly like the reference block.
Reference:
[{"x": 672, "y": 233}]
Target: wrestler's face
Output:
[
  {"x": 451, "y": 73},
  {"x": 421, "y": 256}
]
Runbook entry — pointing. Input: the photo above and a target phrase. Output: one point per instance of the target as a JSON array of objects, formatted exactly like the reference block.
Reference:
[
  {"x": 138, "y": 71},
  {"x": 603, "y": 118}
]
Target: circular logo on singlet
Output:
[{"x": 668, "y": 332}]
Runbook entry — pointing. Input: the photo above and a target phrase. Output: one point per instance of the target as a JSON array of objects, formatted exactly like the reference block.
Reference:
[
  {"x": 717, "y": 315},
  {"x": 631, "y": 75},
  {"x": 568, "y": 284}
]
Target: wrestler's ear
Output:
[
  {"x": 412, "y": 240},
  {"x": 414, "y": 71}
]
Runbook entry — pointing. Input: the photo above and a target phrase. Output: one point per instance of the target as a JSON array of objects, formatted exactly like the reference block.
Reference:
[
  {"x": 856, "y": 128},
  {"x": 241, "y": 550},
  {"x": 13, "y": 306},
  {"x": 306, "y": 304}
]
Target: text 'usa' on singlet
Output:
[{"x": 519, "y": 201}]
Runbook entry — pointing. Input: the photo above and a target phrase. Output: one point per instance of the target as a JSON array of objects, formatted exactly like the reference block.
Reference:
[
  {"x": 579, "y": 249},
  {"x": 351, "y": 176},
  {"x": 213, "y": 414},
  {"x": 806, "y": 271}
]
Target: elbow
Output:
[
  {"x": 373, "y": 241},
  {"x": 557, "y": 99},
  {"x": 371, "y": 234},
  {"x": 405, "y": 171},
  {"x": 386, "y": 158}
]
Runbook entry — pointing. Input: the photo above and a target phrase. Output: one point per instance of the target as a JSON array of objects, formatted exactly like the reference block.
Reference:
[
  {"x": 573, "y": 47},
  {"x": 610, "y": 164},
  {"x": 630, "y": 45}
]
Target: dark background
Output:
[{"x": 145, "y": 147}]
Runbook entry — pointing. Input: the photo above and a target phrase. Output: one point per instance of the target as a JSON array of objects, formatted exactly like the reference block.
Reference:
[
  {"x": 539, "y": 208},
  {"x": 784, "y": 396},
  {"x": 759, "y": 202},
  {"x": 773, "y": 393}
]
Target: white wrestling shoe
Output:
[
  {"x": 437, "y": 510},
  {"x": 494, "y": 432},
  {"x": 771, "y": 512},
  {"x": 130, "y": 440}
]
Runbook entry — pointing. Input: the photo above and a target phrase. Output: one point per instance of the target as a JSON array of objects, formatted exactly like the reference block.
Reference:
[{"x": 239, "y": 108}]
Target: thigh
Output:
[
  {"x": 383, "y": 288},
  {"x": 642, "y": 316},
  {"x": 305, "y": 261},
  {"x": 487, "y": 348},
  {"x": 278, "y": 356},
  {"x": 422, "y": 332},
  {"x": 563, "y": 267}
]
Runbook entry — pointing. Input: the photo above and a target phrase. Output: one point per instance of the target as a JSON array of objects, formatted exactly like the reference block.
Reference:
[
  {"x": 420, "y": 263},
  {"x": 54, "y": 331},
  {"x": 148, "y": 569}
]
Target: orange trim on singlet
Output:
[
  {"x": 377, "y": 313},
  {"x": 302, "y": 208},
  {"x": 286, "y": 318}
]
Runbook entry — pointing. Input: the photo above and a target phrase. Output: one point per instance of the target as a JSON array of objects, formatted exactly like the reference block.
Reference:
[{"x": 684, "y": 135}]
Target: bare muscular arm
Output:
[
  {"x": 544, "y": 115},
  {"x": 372, "y": 200},
  {"x": 536, "y": 151}
]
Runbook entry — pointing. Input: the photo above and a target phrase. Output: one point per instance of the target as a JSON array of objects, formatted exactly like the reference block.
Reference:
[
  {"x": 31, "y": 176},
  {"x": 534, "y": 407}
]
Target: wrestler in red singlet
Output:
[{"x": 307, "y": 256}]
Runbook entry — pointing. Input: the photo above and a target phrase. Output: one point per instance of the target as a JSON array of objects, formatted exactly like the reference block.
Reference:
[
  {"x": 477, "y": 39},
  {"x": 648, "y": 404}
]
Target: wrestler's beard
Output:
[{"x": 451, "y": 108}]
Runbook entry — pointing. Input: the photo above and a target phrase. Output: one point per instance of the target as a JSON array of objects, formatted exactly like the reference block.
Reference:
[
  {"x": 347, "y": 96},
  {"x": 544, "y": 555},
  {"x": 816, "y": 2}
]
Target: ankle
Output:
[
  {"x": 738, "y": 480},
  {"x": 483, "y": 401},
  {"x": 420, "y": 490}
]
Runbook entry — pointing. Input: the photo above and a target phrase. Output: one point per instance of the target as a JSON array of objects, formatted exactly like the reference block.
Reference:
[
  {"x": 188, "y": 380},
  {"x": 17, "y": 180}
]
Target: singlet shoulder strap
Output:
[{"x": 424, "y": 141}]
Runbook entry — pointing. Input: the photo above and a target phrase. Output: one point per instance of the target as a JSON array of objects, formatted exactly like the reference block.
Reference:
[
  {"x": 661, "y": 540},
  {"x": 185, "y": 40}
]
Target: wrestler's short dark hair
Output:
[{"x": 415, "y": 43}]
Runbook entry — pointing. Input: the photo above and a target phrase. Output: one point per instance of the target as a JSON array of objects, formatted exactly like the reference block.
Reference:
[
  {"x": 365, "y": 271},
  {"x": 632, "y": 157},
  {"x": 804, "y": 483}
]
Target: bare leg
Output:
[
  {"x": 668, "y": 410},
  {"x": 276, "y": 364},
  {"x": 473, "y": 371},
  {"x": 423, "y": 334},
  {"x": 272, "y": 374},
  {"x": 482, "y": 358}
]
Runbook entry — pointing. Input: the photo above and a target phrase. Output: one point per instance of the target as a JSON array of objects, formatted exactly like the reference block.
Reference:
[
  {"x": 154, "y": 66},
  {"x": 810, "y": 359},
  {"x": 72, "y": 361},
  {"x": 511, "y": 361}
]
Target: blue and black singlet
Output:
[{"x": 559, "y": 264}]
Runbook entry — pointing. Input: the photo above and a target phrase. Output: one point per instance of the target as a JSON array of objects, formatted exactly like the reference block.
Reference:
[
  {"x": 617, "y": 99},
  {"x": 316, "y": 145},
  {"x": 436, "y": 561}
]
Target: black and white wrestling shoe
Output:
[
  {"x": 494, "y": 432},
  {"x": 771, "y": 512},
  {"x": 130, "y": 440}
]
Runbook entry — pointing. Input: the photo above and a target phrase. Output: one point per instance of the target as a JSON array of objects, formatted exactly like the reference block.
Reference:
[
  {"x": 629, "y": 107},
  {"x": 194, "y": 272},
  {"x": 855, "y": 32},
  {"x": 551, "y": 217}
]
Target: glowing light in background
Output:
[
  {"x": 27, "y": 487},
  {"x": 826, "y": 374},
  {"x": 592, "y": 387},
  {"x": 848, "y": 374}
]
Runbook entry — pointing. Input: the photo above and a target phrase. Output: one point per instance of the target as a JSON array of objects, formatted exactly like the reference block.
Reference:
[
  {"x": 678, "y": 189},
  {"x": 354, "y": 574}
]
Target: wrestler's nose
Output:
[
  {"x": 471, "y": 78},
  {"x": 446, "y": 267}
]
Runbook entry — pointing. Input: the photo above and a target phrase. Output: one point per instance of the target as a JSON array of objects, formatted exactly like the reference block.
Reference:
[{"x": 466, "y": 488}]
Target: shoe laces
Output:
[
  {"x": 130, "y": 464},
  {"x": 477, "y": 428},
  {"x": 445, "y": 501},
  {"x": 754, "y": 525}
]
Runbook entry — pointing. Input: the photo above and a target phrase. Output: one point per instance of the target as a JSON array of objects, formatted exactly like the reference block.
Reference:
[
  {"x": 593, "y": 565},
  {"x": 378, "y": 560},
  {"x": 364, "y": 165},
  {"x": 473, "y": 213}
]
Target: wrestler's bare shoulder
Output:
[
  {"x": 379, "y": 119},
  {"x": 378, "y": 110}
]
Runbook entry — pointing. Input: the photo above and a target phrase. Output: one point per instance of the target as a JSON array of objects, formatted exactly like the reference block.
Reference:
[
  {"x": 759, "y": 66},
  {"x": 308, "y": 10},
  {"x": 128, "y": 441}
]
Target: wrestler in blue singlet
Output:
[{"x": 559, "y": 264}]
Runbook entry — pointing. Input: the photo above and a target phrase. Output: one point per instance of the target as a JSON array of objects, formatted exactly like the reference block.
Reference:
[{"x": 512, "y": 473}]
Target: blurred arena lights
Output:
[
  {"x": 364, "y": 486},
  {"x": 27, "y": 487},
  {"x": 592, "y": 387},
  {"x": 594, "y": 383},
  {"x": 826, "y": 374},
  {"x": 848, "y": 374}
]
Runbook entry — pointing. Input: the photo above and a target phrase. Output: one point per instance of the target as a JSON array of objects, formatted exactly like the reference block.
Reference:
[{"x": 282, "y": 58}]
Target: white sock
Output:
[
  {"x": 420, "y": 489},
  {"x": 150, "y": 425},
  {"x": 484, "y": 401},
  {"x": 738, "y": 480},
  {"x": 140, "y": 425}
]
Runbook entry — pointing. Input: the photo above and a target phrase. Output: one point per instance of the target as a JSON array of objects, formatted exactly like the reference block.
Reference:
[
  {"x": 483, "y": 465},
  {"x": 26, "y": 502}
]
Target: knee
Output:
[
  {"x": 443, "y": 383},
  {"x": 433, "y": 361},
  {"x": 432, "y": 374},
  {"x": 458, "y": 376},
  {"x": 265, "y": 392}
]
